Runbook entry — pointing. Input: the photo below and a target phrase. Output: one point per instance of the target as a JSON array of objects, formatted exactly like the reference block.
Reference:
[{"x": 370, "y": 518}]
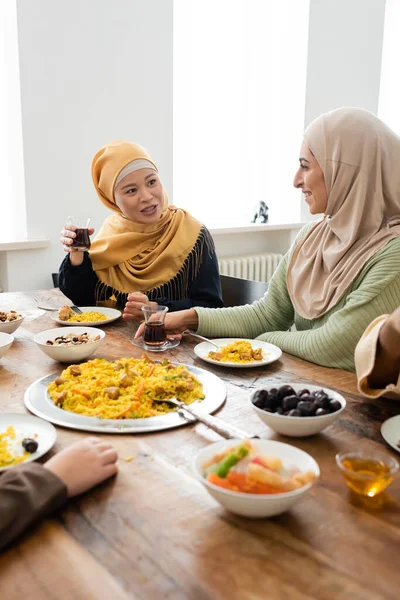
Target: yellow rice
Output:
[
  {"x": 7, "y": 449},
  {"x": 87, "y": 317},
  {"x": 85, "y": 393},
  {"x": 236, "y": 352}
]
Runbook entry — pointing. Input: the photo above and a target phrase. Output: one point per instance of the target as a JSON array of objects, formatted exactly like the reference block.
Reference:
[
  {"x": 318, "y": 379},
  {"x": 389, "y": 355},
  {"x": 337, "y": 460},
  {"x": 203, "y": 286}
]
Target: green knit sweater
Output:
[{"x": 329, "y": 340}]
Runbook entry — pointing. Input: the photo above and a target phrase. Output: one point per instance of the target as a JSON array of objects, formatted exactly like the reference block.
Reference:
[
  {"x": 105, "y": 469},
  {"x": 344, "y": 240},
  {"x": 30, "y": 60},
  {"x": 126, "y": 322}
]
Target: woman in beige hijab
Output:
[{"x": 342, "y": 271}]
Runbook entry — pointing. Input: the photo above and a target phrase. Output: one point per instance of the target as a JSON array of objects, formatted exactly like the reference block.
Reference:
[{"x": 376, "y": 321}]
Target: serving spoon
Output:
[{"x": 225, "y": 430}]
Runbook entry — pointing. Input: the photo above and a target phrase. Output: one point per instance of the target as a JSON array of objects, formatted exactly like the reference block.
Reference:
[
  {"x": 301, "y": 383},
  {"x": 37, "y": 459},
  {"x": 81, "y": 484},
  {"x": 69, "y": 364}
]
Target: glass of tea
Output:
[
  {"x": 82, "y": 240},
  {"x": 154, "y": 334},
  {"x": 367, "y": 473}
]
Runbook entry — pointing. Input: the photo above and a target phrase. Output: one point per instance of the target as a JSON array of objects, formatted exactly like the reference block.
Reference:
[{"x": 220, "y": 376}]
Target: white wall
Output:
[
  {"x": 91, "y": 71},
  {"x": 344, "y": 57},
  {"x": 96, "y": 70}
]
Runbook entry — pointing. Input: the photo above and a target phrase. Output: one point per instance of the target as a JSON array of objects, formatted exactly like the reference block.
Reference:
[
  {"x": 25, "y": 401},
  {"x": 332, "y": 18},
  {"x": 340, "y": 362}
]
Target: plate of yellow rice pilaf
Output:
[
  {"x": 118, "y": 396},
  {"x": 238, "y": 353},
  {"x": 91, "y": 316},
  {"x": 16, "y": 428}
]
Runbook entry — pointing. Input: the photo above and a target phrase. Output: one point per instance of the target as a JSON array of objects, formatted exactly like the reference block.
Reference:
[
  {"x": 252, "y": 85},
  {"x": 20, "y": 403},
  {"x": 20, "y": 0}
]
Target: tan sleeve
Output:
[
  {"x": 365, "y": 355},
  {"x": 27, "y": 493}
]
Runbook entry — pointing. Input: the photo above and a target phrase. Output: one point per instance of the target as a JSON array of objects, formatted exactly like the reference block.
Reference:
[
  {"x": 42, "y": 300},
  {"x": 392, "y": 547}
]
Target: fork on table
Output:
[{"x": 74, "y": 308}]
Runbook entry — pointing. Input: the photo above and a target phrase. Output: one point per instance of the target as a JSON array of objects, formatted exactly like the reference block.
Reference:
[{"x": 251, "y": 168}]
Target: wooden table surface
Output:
[{"x": 154, "y": 532}]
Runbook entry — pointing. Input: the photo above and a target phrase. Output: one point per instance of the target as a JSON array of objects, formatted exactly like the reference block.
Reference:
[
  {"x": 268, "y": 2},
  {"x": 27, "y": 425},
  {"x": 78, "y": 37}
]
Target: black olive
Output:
[
  {"x": 259, "y": 398},
  {"x": 307, "y": 398},
  {"x": 272, "y": 401},
  {"x": 322, "y": 402},
  {"x": 294, "y": 413},
  {"x": 30, "y": 445},
  {"x": 290, "y": 402},
  {"x": 321, "y": 411},
  {"x": 279, "y": 410},
  {"x": 334, "y": 405},
  {"x": 306, "y": 408},
  {"x": 302, "y": 392},
  {"x": 286, "y": 390}
]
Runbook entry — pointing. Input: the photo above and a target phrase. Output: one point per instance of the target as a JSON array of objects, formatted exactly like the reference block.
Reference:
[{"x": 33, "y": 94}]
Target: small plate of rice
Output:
[
  {"x": 14, "y": 428},
  {"x": 94, "y": 316},
  {"x": 238, "y": 353}
]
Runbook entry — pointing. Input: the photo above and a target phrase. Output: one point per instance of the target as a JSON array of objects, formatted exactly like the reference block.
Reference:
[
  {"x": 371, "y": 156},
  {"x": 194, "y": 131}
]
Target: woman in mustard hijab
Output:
[{"x": 146, "y": 250}]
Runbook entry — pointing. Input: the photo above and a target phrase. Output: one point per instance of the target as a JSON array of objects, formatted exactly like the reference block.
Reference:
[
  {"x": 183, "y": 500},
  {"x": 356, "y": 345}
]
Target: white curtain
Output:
[
  {"x": 12, "y": 194},
  {"x": 239, "y": 100}
]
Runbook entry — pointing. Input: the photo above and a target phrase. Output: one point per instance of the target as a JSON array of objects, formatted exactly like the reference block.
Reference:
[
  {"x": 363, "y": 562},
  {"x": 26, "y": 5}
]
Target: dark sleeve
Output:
[
  {"x": 27, "y": 493},
  {"x": 205, "y": 289},
  {"x": 78, "y": 283}
]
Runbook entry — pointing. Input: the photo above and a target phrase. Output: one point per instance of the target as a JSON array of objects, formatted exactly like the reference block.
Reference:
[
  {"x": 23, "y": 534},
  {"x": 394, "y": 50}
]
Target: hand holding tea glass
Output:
[{"x": 75, "y": 238}]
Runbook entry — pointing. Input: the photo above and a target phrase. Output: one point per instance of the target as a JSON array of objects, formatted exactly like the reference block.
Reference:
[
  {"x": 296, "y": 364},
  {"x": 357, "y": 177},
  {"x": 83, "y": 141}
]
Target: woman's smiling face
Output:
[
  {"x": 140, "y": 196},
  {"x": 310, "y": 179}
]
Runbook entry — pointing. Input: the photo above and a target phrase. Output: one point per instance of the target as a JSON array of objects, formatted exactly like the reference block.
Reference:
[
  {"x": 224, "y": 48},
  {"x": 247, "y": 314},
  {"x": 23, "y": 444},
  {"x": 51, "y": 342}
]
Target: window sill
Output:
[
  {"x": 257, "y": 228},
  {"x": 24, "y": 245}
]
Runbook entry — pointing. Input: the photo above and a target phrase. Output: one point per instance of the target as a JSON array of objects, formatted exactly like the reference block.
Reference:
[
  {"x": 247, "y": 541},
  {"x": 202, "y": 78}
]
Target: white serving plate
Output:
[
  {"x": 270, "y": 351},
  {"x": 39, "y": 402},
  {"x": 390, "y": 430},
  {"x": 27, "y": 426},
  {"x": 257, "y": 505},
  {"x": 112, "y": 314}
]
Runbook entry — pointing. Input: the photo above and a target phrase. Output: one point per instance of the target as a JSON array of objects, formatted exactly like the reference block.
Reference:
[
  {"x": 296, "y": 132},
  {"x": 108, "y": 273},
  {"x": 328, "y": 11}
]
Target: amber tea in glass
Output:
[
  {"x": 367, "y": 474},
  {"x": 81, "y": 241},
  {"x": 154, "y": 329}
]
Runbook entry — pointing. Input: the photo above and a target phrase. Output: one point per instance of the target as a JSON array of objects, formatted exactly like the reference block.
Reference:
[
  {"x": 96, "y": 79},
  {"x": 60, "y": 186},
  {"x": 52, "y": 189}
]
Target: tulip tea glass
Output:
[
  {"x": 82, "y": 240},
  {"x": 154, "y": 334}
]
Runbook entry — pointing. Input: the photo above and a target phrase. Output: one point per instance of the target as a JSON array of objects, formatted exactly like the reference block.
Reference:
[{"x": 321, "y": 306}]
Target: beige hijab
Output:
[{"x": 360, "y": 158}]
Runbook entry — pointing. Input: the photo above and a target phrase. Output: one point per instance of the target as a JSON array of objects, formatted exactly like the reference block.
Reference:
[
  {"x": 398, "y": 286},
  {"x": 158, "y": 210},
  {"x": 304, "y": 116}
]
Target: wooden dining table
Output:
[{"x": 154, "y": 532}]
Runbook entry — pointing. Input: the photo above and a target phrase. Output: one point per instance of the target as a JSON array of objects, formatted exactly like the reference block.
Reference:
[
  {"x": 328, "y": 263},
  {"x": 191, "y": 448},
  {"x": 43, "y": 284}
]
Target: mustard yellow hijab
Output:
[{"x": 130, "y": 256}]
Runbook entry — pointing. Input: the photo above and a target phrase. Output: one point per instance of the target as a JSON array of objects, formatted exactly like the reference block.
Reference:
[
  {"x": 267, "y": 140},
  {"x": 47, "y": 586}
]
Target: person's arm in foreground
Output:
[
  {"x": 32, "y": 491},
  {"x": 377, "y": 357}
]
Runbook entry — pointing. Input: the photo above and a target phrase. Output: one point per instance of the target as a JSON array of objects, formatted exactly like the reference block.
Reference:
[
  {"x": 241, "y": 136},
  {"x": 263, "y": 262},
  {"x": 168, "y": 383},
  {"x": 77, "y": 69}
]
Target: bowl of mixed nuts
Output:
[
  {"x": 70, "y": 344},
  {"x": 10, "y": 320}
]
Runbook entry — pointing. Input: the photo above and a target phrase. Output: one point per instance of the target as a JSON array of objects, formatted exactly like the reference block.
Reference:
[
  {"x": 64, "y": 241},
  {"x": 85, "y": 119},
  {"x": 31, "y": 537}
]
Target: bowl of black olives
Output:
[{"x": 296, "y": 409}]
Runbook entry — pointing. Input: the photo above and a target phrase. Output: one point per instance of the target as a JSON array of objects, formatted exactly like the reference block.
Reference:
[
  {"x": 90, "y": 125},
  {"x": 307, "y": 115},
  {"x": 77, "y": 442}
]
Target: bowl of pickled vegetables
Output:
[{"x": 255, "y": 478}]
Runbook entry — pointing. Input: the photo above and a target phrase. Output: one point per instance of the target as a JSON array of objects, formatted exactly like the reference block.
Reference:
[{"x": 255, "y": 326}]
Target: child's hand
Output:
[{"x": 84, "y": 464}]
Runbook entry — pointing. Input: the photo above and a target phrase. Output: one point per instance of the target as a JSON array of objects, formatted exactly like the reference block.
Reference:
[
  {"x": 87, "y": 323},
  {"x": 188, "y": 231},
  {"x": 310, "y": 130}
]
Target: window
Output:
[
  {"x": 389, "y": 94},
  {"x": 239, "y": 100},
  {"x": 13, "y": 214}
]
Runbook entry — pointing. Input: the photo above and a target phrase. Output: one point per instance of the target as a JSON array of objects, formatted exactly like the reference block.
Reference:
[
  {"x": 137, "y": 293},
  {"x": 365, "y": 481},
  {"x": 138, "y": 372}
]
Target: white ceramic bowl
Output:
[
  {"x": 11, "y": 326},
  {"x": 69, "y": 354},
  {"x": 257, "y": 505},
  {"x": 298, "y": 426},
  {"x": 5, "y": 342}
]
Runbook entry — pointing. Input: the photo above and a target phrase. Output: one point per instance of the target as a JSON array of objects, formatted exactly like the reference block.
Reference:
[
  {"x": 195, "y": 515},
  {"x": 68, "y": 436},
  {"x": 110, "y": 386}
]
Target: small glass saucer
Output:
[{"x": 167, "y": 345}]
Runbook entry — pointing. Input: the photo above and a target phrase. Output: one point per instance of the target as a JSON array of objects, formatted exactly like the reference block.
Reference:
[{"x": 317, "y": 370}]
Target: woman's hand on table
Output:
[
  {"x": 66, "y": 238},
  {"x": 132, "y": 310},
  {"x": 176, "y": 323},
  {"x": 84, "y": 464}
]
